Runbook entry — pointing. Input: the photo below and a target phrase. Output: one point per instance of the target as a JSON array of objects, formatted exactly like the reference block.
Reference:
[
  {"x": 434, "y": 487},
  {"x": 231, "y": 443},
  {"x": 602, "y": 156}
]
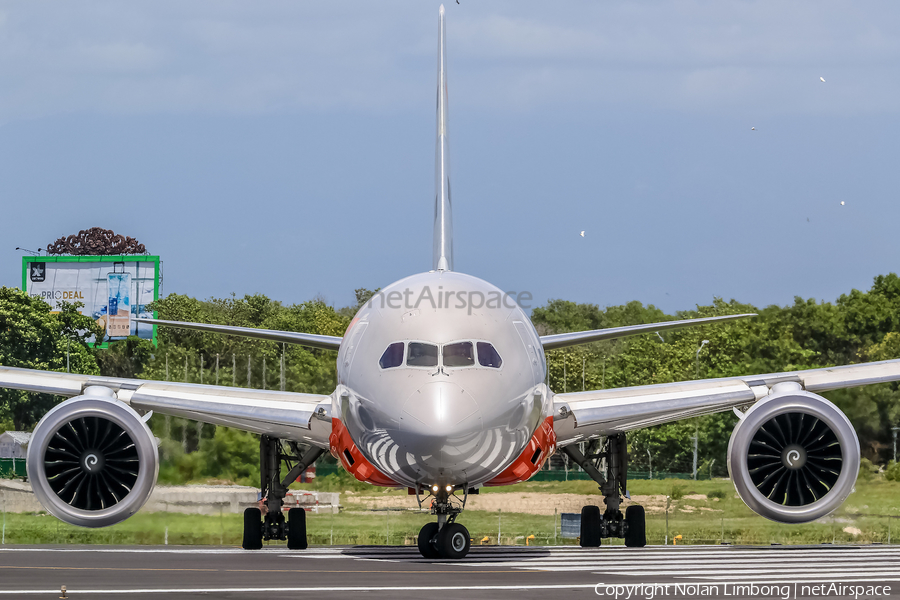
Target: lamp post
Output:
[
  {"x": 668, "y": 503},
  {"x": 650, "y": 460},
  {"x": 697, "y": 359},
  {"x": 696, "y": 439}
]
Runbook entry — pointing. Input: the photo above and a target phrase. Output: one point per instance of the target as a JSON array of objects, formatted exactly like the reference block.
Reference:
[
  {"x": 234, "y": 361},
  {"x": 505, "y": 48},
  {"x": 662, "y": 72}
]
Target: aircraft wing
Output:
[
  {"x": 287, "y": 415},
  {"x": 584, "y": 415},
  {"x": 312, "y": 340},
  {"x": 562, "y": 340}
]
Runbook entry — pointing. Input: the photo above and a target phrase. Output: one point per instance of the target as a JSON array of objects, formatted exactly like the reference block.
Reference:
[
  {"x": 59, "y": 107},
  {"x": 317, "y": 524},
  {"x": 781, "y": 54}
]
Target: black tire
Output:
[
  {"x": 296, "y": 529},
  {"x": 453, "y": 541},
  {"x": 252, "y": 529},
  {"x": 636, "y": 536},
  {"x": 427, "y": 535},
  {"x": 590, "y": 526}
]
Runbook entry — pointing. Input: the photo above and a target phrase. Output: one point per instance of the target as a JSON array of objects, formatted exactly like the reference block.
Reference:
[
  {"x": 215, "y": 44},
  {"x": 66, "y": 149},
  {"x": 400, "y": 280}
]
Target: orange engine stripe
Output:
[
  {"x": 342, "y": 444},
  {"x": 543, "y": 440}
]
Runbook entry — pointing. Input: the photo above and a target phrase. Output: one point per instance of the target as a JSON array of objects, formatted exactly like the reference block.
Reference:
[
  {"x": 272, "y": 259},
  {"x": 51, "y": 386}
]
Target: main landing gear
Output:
[
  {"x": 273, "y": 489},
  {"x": 606, "y": 461},
  {"x": 446, "y": 538}
]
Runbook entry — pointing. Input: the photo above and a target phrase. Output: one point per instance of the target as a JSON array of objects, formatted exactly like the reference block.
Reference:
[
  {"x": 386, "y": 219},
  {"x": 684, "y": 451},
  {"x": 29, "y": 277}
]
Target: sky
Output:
[{"x": 287, "y": 147}]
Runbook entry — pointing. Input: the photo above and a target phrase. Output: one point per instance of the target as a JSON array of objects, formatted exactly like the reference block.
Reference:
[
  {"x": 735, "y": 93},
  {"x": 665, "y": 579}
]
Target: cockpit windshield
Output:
[
  {"x": 460, "y": 354},
  {"x": 455, "y": 355},
  {"x": 488, "y": 356},
  {"x": 422, "y": 355},
  {"x": 392, "y": 357}
]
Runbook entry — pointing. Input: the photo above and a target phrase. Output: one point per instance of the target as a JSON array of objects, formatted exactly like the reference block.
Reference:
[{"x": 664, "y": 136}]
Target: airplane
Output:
[{"x": 443, "y": 389}]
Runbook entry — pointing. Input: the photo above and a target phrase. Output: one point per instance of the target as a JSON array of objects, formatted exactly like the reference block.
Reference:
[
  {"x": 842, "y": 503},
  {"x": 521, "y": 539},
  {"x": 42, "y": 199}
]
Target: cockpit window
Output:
[
  {"x": 460, "y": 354},
  {"x": 392, "y": 357},
  {"x": 422, "y": 355},
  {"x": 487, "y": 356}
]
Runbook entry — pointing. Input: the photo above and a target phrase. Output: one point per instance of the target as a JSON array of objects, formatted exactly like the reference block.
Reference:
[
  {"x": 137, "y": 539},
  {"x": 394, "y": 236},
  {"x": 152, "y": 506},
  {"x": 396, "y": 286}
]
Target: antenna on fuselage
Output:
[{"x": 443, "y": 223}]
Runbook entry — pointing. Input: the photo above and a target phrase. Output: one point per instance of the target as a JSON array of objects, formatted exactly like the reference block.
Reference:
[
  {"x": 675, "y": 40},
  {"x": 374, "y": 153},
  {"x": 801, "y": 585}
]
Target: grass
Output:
[
  {"x": 348, "y": 527},
  {"x": 720, "y": 516}
]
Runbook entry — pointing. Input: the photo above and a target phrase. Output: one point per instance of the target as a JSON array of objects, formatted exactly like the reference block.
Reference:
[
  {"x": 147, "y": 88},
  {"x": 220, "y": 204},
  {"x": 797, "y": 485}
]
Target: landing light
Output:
[
  {"x": 434, "y": 488},
  {"x": 449, "y": 488}
]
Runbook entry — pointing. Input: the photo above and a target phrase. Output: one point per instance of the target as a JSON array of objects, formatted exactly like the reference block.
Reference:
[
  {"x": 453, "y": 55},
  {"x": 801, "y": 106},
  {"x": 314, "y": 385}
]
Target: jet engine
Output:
[
  {"x": 794, "y": 456},
  {"x": 92, "y": 460}
]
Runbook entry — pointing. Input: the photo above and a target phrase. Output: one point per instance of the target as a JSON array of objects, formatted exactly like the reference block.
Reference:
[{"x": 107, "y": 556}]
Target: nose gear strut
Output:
[{"x": 446, "y": 538}]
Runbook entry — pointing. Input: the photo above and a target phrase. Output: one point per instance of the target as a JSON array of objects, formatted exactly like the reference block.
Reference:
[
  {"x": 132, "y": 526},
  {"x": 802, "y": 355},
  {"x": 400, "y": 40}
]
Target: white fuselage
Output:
[{"x": 441, "y": 416}]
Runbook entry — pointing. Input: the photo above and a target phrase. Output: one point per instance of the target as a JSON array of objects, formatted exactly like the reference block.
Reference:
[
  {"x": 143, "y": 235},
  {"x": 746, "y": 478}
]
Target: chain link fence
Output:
[{"x": 526, "y": 521}]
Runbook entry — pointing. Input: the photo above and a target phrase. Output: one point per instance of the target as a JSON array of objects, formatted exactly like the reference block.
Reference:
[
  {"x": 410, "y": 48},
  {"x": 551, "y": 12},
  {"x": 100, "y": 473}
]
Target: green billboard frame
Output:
[{"x": 26, "y": 260}]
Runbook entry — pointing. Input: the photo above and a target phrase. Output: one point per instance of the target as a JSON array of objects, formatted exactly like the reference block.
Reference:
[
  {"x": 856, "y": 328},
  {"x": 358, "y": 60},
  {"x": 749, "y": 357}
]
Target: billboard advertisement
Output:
[{"x": 113, "y": 289}]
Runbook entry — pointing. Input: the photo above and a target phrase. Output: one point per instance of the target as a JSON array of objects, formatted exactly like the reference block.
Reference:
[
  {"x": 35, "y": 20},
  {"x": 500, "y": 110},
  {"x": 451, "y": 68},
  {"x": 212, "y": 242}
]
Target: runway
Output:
[{"x": 488, "y": 572}]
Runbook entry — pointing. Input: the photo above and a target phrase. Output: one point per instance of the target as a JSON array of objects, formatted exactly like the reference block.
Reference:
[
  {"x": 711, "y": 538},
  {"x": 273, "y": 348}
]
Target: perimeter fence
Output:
[{"x": 374, "y": 520}]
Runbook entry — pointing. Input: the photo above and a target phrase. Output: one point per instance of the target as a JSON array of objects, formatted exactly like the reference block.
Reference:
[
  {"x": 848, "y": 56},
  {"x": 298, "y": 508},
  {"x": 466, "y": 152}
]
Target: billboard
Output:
[{"x": 113, "y": 289}]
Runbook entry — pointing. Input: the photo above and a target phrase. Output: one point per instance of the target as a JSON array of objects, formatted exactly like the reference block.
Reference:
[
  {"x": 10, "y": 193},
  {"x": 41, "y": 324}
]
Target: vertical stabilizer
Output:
[{"x": 443, "y": 223}]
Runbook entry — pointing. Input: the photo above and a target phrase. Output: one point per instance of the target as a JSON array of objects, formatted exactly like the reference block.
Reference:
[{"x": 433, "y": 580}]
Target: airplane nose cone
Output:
[{"x": 441, "y": 426}]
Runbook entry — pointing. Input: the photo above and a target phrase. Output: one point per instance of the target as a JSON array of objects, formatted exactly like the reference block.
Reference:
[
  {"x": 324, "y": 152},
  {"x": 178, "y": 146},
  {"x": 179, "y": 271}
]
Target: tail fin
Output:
[{"x": 443, "y": 223}]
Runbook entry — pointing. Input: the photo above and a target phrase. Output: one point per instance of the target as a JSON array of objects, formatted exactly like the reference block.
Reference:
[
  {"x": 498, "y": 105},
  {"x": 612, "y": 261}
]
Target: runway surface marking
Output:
[
  {"x": 608, "y": 552},
  {"x": 150, "y": 550},
  {"x": 179, "y": 570},
  {"x": 694, "y": 565},
  {"x": 252, "y": 590},
  {"x": 770, "y": 565},
  {"x": 781, "y": 564},
  {"x": 318, "y": 590}
]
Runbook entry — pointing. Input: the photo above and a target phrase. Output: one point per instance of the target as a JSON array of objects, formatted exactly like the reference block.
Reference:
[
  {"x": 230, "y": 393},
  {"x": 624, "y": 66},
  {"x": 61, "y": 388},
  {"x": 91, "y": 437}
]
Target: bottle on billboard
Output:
[{"x": 118, "y": 310}]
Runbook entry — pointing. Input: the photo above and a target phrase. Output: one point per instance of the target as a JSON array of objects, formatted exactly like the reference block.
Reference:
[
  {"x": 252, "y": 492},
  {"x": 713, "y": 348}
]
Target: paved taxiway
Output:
[{"x": 399, "y": 572}]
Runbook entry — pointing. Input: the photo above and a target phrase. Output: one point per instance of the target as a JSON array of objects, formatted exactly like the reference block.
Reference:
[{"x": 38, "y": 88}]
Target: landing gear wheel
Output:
[
  {"x": 636, "y": 536},
  {"x": 590, "y": 526},
  {"x": 427, "y": 537},
  {"x": 453, "y": 541},
  {"x": 296, "y": 529},
  {"x": 252, "y": 529}
]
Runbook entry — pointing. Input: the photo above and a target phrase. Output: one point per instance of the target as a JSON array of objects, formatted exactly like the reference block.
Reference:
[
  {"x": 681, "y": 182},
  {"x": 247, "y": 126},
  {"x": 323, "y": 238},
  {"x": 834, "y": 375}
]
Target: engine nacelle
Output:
[
  {"x": 794, "y": 456},
  {"x": 92, "y": 460}
]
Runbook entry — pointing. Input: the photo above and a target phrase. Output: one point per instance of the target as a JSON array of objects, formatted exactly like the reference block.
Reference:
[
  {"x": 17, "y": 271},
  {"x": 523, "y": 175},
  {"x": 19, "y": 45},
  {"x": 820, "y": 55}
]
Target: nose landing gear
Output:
[
  {"x": 446, "y": 538},
  {"x": 428, "y": 541},
  {"x": 450, "y": 541},
  {"x": 453, "y": 541}
]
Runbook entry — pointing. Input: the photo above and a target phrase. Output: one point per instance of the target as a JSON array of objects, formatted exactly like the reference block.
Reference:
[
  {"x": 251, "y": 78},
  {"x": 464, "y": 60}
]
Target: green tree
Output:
[
  {"x": 306, "y": 370},
  {"x": 33, "y": 337},
  {"x": 126, "y": 358},
  {"x": 858, "y": 326},
  {"x": 363, "y": 295},
  {"x": 225, "y": 453}
]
